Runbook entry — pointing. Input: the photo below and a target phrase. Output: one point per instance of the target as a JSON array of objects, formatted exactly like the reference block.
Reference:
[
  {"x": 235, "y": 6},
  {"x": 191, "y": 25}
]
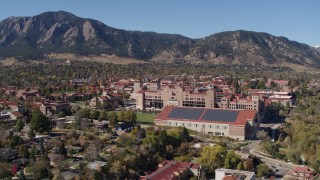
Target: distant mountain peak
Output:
[{"x": 64, "y": 32}]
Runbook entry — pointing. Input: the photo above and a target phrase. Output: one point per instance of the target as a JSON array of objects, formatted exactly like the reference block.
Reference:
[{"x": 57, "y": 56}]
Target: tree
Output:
[
  {"x": 262, "y": 135},
  {"x": 240, "y": 166},
  {"x": 59, "y": 162},
  {"x": 185, "y": 158},
  {"x": 212, "y": 157},
  {"x": 31, "y": 133},
  {"x": 94, "y": 114},
  {"x": 270, "y": 147},
  {"x": 262, "y": 170},
  {"x": 5, "y": 171},
  {"x": 61, "y": 114},
  {"x": 103, "y": 115},
  {"x": 122, "y": 116},
  {"x": 40, "y": 170},
  {"x": 14, "y": 140},
  {"x": 232, "y": 160},
  {"x": 130, "y": 116},
  {"x": 273, "y": 85},
  {"x": 23, "y": 151},
  {"x": 40, "y": 123},
  {"x": 184, "y": 135},
  {"x": 261, "y": 84},
  {"x": 42, "y": 150},
  {"x": 33, "y": 153},
  {"x": 20, "y": 125},
  {"x": 154, "y": 142},
  {"x": 235, "y": 84},
  {"x": 113, "y": 119},
  {"x": 83, "y": 113},
  {"x": 62, "y": 149}
]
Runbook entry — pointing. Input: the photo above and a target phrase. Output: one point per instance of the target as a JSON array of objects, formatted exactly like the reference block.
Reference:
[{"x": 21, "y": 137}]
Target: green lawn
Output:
[
  {"x": 78, "y": 103},
  {"x": 145, "y": 118},
  {"x": 27, "y": 170}
]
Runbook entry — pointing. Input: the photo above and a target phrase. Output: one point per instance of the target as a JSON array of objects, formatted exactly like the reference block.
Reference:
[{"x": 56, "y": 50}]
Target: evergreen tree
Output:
[
  {"x": 33, "y": 153},
  {"x": 23, "y": 151},
  {"x": 20, "y": 125},
  {"x": 31, "y": 133},
  {"x": 184, "y": 136},
  {"x": 62, "y": 149},
  {"x": 94, "y": 114},
  {"x": 39, "y": 122}
]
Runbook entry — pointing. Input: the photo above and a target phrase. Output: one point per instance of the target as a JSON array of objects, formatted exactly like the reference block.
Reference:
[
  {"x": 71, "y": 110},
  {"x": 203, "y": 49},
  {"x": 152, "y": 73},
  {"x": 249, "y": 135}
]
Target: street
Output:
[{"x": 282, "y": 166}]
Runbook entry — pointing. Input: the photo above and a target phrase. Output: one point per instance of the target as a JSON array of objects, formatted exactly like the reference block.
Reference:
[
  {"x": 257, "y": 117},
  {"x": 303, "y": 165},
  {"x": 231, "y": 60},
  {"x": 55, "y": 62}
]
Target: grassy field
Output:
[{"x": 145, "y": 118}]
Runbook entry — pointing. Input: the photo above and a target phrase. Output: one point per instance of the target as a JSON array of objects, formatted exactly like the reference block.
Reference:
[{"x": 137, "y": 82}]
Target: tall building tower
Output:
[{"x": 137, "y": 86}]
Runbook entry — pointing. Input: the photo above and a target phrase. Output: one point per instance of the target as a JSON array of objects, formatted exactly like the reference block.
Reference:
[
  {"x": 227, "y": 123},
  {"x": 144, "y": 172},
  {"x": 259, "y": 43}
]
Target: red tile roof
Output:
[
  {"x": 228, "y": 178},
  {"x": 17, "y": 114},
  {"x": 304, "y": 172},
  {"x": 103, "y": 98},
  {"x": 169, "y": 169},
  {"x": 241, "y": 119}
]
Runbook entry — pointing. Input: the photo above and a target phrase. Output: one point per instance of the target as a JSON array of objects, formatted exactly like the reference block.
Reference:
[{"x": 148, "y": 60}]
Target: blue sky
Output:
[{"x": 296, "y": 19}]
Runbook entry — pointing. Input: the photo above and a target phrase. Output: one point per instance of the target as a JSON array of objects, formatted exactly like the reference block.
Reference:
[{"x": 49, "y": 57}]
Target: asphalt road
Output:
[{"x": 282, "y": 166}]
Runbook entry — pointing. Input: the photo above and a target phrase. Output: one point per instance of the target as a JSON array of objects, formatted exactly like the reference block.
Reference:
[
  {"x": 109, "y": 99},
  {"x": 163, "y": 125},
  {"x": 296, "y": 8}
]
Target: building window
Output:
[
  {"x": 195, "y": 125},
  {"x": 210, "y": 126},
  {"x": 169, "y": 123},
  {"x": 176, "y": 124},
  {"x": 189, "y": 125},
  {"x": 182, "y": 124},
  {"x": 218, "y": 127},
  {"x": 224, "y": 127}
]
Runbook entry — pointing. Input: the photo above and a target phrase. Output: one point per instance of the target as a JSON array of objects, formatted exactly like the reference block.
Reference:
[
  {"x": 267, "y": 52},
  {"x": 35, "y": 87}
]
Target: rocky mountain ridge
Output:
[{"x": 63, "y": 32}]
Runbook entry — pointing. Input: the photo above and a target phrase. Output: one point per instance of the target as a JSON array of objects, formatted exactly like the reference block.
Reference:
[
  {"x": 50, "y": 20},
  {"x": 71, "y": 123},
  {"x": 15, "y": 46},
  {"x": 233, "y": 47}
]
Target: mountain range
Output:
[{"x": 62, "y": 32}]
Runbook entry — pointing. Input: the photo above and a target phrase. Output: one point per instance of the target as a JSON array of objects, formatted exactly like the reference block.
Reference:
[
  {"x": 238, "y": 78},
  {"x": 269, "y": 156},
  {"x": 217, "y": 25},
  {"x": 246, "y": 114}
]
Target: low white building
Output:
[
  {"x": 236, "y": 124},
  {"x": 224, "y": 174}
]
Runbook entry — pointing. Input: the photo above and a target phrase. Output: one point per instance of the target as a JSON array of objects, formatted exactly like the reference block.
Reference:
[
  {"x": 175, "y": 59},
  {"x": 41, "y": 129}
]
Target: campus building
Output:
[
  {"x": 235, "y": 102},
  {"x": 236, "y": 124},
  {"x": 157, "y": 99},
  {"x": 232, "y": 174}
]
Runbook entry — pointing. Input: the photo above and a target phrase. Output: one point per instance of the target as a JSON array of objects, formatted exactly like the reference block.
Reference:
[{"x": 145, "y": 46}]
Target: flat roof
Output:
[
  {"x": 220, "y": 115},
  {"x": 185, "y": 113},
  {"x": 210, "y": 115}
]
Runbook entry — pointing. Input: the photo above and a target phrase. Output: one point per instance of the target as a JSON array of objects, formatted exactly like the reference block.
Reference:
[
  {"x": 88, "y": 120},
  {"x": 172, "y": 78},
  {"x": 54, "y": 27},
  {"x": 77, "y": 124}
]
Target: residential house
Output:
[
  {"x": 8, "y": 154},
  {"x": 14, "y": 115},
  {"x": 173, "y": 170},
  {"x": 70, "y": 175},
  {"x": 302, "y": 173}
]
